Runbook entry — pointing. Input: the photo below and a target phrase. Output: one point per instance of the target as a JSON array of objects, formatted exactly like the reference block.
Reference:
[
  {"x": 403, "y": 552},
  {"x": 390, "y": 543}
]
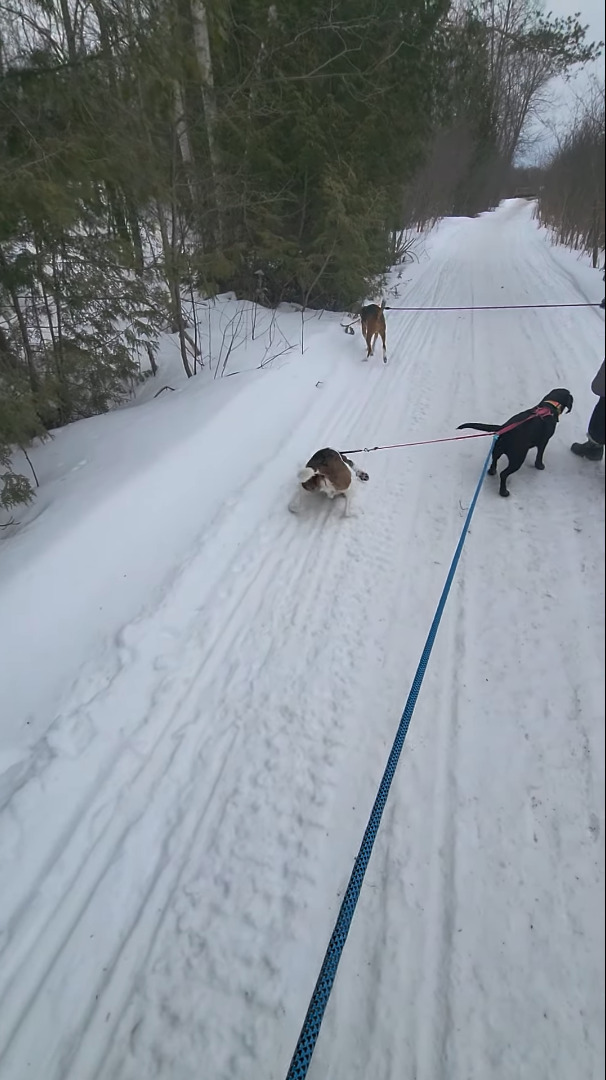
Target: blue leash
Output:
[{"x": 315, "y": 1014}]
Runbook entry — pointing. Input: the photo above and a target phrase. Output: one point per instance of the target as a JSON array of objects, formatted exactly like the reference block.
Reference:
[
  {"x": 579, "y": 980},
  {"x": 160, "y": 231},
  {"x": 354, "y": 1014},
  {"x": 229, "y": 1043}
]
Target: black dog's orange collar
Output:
[{"x": 556, "y": 405}]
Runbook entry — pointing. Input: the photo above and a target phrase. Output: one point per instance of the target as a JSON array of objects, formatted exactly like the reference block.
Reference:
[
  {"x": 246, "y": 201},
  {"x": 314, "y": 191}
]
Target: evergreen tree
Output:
[{"x": 271, "y": 149}]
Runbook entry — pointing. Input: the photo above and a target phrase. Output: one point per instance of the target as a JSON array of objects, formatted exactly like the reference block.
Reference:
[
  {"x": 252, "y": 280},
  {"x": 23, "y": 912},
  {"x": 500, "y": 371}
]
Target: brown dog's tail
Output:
[{"x": 480, "y": 427}]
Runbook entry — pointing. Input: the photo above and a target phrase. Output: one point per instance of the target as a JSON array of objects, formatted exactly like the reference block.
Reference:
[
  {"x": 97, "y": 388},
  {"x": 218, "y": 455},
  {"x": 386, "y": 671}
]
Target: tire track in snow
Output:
[
  {"x": 434, "y": 1025},
  {"x": 144, "y": 744},
  {"x": 535, "y": 851},
  {"x": 147, "y": 741},
  {"x": 441, "y": 534},
  {"x": 127, "y": 638},
  {"x": 443, "y": 922},
  {"x": 313, "y": 781}
]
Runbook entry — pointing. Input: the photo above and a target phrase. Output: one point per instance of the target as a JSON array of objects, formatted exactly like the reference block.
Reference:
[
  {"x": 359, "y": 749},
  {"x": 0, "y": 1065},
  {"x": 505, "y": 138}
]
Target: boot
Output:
[{"x": 590, "y": 450}]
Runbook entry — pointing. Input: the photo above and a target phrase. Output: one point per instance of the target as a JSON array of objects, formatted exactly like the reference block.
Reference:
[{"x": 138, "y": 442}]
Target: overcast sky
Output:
[{"x": 564, "y": 94}]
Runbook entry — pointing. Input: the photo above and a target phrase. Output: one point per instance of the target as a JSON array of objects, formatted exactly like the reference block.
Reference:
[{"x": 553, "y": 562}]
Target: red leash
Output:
[{"x": 541, "y": 410}]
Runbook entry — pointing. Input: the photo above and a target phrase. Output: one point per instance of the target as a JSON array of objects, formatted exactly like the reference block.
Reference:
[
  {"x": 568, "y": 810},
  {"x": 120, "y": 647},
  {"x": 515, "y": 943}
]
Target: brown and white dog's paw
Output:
[{"x": 362, "y": 475}]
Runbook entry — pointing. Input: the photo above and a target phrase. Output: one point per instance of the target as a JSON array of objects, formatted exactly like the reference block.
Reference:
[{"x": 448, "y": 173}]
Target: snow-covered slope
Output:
[{"x": 200, "y": 690}]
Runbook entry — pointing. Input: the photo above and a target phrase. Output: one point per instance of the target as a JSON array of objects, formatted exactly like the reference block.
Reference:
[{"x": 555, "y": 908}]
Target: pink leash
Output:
[{"x": 541, "y": 410}]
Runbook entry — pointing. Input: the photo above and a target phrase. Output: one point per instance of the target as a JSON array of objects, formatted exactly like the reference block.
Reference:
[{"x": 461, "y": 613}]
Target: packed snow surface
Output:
[{"x": 200, "y": 690}]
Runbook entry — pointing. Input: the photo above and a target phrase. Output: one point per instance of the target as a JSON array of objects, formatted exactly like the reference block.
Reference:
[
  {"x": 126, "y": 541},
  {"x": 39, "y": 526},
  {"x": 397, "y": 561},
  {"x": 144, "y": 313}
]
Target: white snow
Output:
[{"x": 200, "y": 690}]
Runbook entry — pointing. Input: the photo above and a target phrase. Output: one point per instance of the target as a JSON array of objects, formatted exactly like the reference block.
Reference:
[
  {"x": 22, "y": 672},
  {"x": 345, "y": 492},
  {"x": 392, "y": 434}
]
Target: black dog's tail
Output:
[{"x": 480, "y": 427}]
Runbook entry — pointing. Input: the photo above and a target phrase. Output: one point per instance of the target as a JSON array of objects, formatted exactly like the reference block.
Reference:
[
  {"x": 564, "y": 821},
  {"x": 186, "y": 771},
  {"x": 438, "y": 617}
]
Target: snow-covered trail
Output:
[{"x": 175, "y": 848}]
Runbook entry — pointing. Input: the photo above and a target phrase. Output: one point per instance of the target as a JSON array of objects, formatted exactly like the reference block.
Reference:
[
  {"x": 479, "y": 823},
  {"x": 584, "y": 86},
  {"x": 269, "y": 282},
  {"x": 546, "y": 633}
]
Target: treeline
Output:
[
  {"x": 152, "y": 150},
  {"x": 571, "y": 191}
]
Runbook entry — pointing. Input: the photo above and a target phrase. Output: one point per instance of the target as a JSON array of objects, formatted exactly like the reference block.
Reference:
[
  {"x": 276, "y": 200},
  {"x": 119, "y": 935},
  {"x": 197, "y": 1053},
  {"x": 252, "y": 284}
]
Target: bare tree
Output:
[
  {"x": 571, "y": 198},
  {"x": 526, "y": 51}
]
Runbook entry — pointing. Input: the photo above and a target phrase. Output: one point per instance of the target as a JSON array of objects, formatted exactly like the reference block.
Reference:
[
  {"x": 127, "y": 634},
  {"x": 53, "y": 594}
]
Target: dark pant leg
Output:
[{"x": 596, "y": 423}]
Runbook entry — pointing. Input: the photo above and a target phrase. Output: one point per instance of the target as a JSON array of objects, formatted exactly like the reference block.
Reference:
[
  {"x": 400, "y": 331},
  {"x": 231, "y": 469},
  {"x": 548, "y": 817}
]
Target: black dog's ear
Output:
[{"x": 570, "y": 403}]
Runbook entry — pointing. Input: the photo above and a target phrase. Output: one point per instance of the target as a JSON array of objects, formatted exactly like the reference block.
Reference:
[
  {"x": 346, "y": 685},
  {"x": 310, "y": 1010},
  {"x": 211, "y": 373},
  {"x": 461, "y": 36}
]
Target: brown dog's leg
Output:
[
  {"x": 366, "y": 339},
  {"x": 382, "y": 333}
]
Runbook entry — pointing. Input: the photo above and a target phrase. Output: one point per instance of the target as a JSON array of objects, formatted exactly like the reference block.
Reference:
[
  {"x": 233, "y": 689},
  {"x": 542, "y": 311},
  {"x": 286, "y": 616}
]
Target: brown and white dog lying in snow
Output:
[{"x": 328, "y": 473}]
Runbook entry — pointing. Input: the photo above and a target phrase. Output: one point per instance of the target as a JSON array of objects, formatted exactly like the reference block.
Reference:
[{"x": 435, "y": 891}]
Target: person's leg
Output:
[
  {"x": 593, "y": 449},
  {"x": 596, "y": 424}
]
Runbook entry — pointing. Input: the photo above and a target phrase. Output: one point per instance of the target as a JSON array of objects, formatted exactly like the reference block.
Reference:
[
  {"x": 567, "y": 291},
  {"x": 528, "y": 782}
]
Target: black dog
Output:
[{"x": 534, "y": 430}]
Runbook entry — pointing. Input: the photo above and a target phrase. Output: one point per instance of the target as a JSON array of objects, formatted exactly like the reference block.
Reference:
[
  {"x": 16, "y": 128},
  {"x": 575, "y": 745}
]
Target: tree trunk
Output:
[
  {"x": 34, "y": 380},
  {"x": 595, "y": 252},
  {"x": 135, "y": 234},
  {"x": 173, "y": 286},
  {"x": 204, "y": 57},
  {"x": 70, "y": 36},
  {"x": 152, "y": 360},
  {"x": 183, "y": 140}
]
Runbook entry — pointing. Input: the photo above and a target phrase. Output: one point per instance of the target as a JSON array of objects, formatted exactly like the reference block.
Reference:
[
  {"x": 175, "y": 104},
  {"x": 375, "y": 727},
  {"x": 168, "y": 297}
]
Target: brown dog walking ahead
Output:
[{"x": 373, "y": 326}]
